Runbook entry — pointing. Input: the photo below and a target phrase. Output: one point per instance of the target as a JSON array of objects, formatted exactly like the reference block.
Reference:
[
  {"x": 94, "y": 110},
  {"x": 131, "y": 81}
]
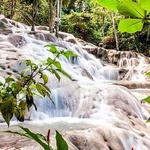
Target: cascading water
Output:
[{"x": 116, "y": 115}]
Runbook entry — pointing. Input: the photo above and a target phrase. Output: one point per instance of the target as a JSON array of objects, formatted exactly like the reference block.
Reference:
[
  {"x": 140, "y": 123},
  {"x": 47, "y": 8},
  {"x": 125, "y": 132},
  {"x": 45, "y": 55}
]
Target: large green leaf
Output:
[
  {"x": 109, "y": 4},
  {"x": 145, "y": 4},
  {"x": 130, "y": 25},
  {"x": 37, "y": 138},
  {"x": 60, "y": 142},
  {"x": 130, "y": 9}
]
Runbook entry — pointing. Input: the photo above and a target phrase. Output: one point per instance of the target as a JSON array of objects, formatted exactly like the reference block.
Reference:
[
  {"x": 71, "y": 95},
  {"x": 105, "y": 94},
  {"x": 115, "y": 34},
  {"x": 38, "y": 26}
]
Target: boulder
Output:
[{"x": 17, "y": 40}]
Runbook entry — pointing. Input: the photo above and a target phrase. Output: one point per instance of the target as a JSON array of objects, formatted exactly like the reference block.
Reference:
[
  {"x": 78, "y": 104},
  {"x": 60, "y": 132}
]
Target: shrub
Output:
[{"x": 85, "y": 25}]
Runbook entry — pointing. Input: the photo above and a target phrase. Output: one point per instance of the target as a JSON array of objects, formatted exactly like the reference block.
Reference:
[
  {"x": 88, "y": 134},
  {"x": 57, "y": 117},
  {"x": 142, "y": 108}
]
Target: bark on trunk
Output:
[
  {"x": 34, "y": 13},
  {"x": 52, "y": 15},
  {"x": 58, "y": 17},
  {"x": 13, "y": 7}
]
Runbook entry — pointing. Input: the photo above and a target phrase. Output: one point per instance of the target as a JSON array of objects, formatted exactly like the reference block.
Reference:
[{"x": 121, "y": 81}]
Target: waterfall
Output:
[{"x": 97, "y": 95}]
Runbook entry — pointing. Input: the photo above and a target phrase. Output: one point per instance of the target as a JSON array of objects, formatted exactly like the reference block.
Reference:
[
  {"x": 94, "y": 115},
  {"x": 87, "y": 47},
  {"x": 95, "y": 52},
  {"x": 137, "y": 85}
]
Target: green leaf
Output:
[
  {"x": 148, "y": 73},
  {"x": 148, "y": 121},
  {"x": 130, "y": 25},
  {"x": 19, "y": 114},
  {"x": 57, "y": 75},
  {"x": 109, "y": 4},
  {"x": 69, "y": 54},
  {"x": 49, "y": 60},
  {"x": 130, "y": 9},
  {"x": 41, "y": 89},
  {"x": 64, "y": 73},
  {"x": 45, "y": 78},
  {"x": 28, "y": 62},
  {"x": 22, "y": 105},
  {"x": 52, "y": 48},
  {"x": 1, "y": 84},
  {"x": 9, "y": 79},
  {"x": 44, "y": 86},
  {"x": 145, "y": 4},
  {"x": 7, "y": 109},
  {"x": 7, "y": 116},
  {"x": 21, "y": 111},
  {"x": 147, "y": 100},
  {"x": 42, "y": 137},
  {"x": 16, "y": 87},
  {"x": 30, "y": 101},
  {"x": 37, "y": 138},
  {"x": 57, "y": 64},
  {"x": 18, "y": 133},
  {"x": 60, "y": 142}
]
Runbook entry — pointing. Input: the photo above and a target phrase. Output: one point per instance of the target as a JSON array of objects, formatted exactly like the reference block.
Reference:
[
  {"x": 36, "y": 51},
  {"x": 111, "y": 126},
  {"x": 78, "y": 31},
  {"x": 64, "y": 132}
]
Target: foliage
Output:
[
  {"x": 78, "y": 6},
  {"x": 42, "y": 15},
  {"x": 136, "y": 13},
  {"x": 17, "y": 95},
  {"x": 90, "y": 25},
  {"x": 44, "y": 141},
  {"x": 91, "y": 22}
]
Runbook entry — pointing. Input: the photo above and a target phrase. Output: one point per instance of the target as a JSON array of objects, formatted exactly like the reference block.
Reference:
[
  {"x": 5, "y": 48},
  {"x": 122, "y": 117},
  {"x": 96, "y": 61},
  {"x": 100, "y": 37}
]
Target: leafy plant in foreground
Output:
[
  {"x": 136, "y": 13},
  {"x": 17, "y": 94},
  {"x": 44, "y": 141}
]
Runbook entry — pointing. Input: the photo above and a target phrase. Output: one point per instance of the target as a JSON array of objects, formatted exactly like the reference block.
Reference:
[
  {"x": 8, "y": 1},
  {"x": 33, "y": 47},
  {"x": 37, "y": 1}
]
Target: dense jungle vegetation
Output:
[{"x": 86, "y": 19}]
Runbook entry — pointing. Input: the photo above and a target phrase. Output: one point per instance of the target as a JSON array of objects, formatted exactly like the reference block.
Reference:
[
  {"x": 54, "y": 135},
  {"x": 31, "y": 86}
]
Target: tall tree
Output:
[
  {"x": 35, "y": 7},
  {"x": 52, "y": 14},
  {"x": 55, "y": 13}
]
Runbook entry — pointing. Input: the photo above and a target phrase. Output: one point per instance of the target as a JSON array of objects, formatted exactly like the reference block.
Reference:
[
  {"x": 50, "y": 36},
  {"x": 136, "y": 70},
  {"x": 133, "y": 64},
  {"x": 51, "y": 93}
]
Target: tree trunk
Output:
[
  {"x": 34, "y": 13},
  {"x": 58, "y": 16},
  {"x": 13, "y": 7},
  {"x": 115, "y": 31},
  {"x": 52, "y": 15}
]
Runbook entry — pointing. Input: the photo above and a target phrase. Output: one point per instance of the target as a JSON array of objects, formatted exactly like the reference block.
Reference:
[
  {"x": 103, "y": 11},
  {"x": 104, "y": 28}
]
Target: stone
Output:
[
  {"x": 42, "y": 28},
  {"x": 3, "y": 25},
  {"x": 17, "y": 40},
  {"x": 6, "y": 31}
]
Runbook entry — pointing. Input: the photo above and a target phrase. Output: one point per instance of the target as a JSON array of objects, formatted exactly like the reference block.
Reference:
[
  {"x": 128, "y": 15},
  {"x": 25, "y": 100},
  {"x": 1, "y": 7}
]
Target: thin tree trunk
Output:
[
  {"x": 34, "y": 13},
  {"x": 13, "y": 7},
  {"x": 52, "y": 15},
  {"x": 57, "y": 17},
  {"x": 115, "y": 31}
]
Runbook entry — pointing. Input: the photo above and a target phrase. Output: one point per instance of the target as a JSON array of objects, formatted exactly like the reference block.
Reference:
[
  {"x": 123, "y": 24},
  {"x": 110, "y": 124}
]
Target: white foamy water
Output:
[{"x": 91, "y": 99}]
